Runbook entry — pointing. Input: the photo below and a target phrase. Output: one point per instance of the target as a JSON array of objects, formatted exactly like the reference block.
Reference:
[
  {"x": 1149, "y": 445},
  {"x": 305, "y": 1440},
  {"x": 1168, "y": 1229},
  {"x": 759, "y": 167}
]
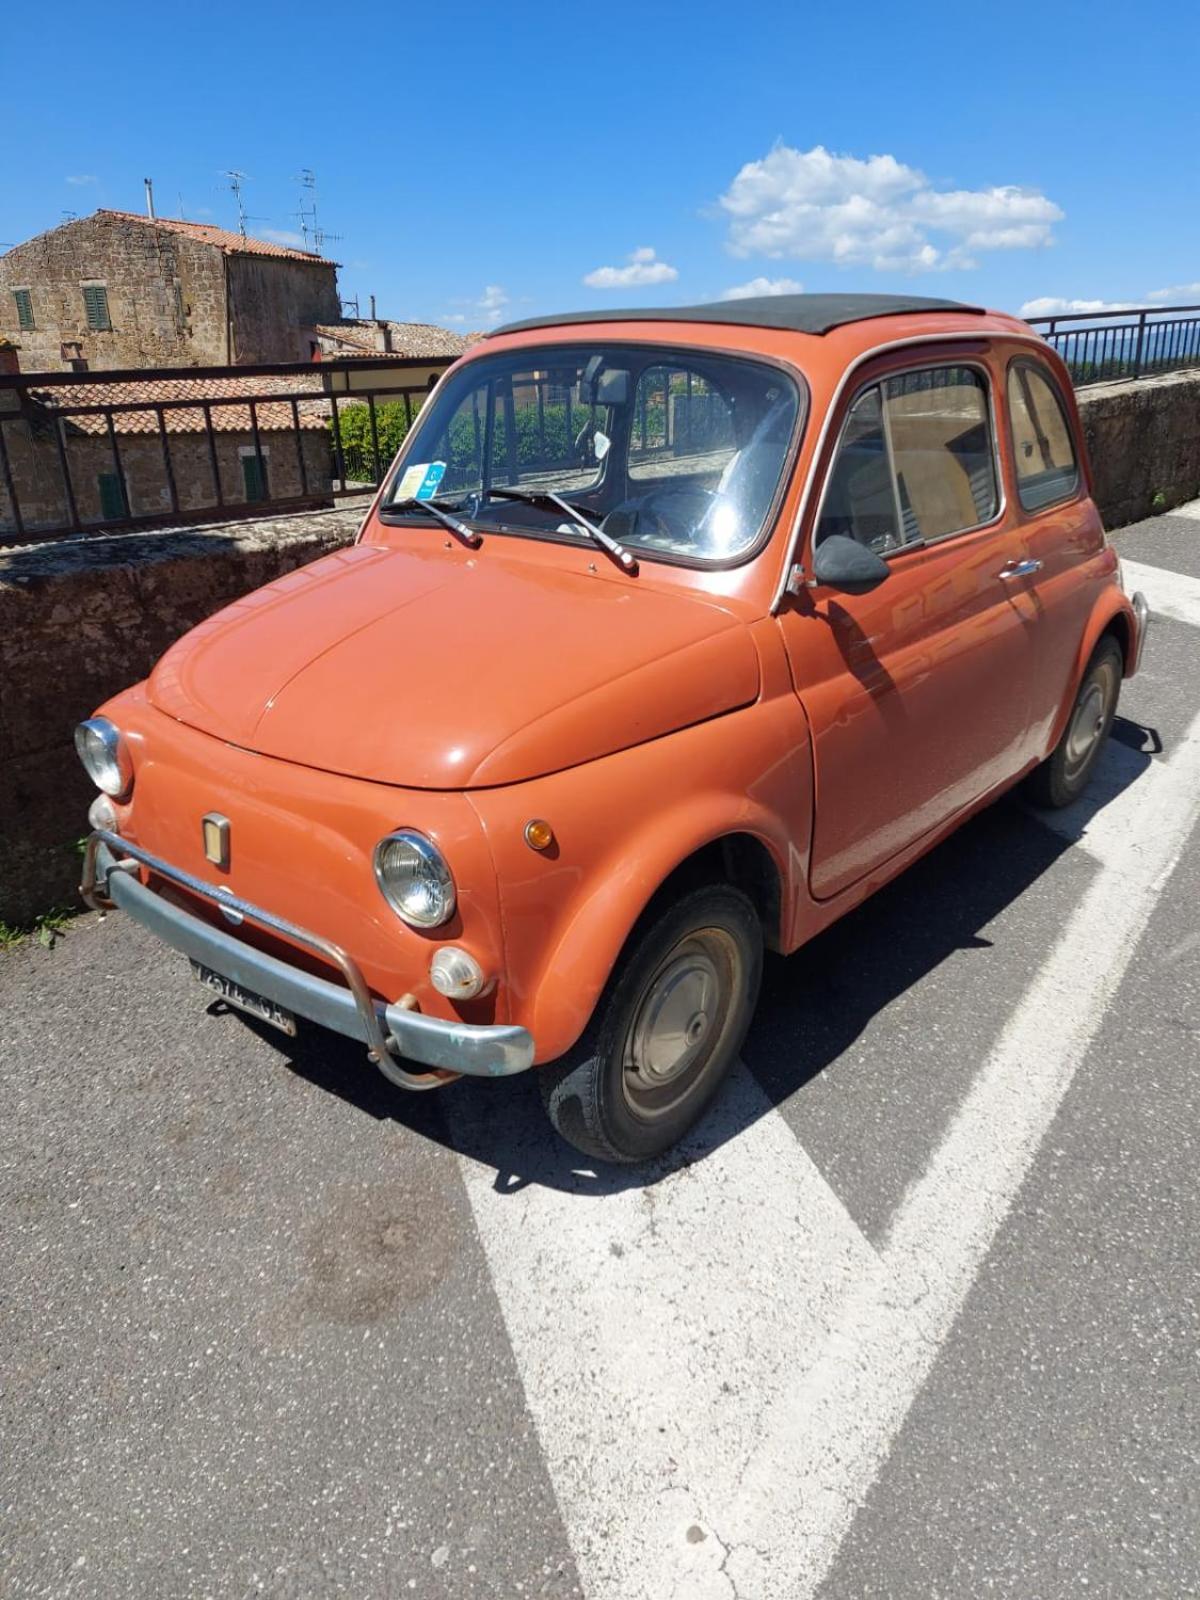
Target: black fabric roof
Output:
[{"x": 798, "y": 313}]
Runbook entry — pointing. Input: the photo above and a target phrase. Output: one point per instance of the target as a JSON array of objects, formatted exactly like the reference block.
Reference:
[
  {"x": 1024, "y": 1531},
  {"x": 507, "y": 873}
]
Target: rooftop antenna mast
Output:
[
  {"x": 236, "y": 180},
  {"x": 310, "y": 228}
]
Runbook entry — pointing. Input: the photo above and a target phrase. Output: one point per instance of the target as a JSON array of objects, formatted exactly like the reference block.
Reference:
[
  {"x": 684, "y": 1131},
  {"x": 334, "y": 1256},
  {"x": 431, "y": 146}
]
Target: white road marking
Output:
[
  {"x": 654, "y": 1326},
  {"x": 1191, "y": 509},
  {"x": 717, "y": 1364},
  {"x": 1171, "y": 594}
]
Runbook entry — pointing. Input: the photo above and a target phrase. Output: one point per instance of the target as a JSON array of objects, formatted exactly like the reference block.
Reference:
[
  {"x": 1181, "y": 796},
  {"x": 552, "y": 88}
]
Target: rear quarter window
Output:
[{"x": 1044, "y": 452}]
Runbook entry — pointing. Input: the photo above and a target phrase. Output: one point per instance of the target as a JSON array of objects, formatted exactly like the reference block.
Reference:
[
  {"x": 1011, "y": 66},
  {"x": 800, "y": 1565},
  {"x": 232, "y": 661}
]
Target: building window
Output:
[
  {"x": 112, "y": 497},
  {"x": 254, "y": 475},
  {"x": 24, "y": 310},
  {"x": 95, "y": 305}
]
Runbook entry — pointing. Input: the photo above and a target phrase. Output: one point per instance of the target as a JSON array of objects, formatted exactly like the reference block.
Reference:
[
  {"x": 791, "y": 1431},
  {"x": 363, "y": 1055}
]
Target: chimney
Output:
[
  {"x": 9, "y": 359},
  {"x": 372, "y": 308},
  {"x": 149, "y": 182}
]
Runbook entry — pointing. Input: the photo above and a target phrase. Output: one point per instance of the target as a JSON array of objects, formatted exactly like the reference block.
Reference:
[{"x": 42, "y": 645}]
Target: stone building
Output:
[
  {"x": 130, "y": 472},
  {"x": 379, "y": 338},
  {"x": 117, "y": 289}
]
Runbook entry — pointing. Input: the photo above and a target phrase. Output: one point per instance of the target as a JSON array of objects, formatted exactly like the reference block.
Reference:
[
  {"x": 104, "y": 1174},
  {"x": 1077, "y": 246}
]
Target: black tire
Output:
[
  {"x": 1064, "y": 775},
  {"x": 666, "y": 1031}
]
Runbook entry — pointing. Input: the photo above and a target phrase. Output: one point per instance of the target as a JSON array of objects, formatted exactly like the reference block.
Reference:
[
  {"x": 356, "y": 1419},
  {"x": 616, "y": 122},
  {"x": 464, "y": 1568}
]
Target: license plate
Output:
[{"x": 256, "y": 1005}]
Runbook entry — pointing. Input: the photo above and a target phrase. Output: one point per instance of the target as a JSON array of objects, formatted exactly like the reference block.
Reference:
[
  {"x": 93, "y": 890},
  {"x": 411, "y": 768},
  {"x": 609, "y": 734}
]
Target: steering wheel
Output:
[{"x": 675, "y": 513}]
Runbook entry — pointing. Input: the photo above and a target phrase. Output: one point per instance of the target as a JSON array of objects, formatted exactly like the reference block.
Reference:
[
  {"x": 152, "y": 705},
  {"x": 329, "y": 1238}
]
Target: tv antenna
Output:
[
  {"x": 236, "y": 181},
  {"x": 310, "y": 228}
]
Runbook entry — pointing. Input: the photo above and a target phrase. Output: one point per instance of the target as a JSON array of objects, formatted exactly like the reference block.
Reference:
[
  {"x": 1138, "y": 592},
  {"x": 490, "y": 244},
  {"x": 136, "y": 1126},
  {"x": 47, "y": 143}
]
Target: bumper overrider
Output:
[
  {"x": 391, "y": 1032},
  {"x": 1141, "y": 613}
]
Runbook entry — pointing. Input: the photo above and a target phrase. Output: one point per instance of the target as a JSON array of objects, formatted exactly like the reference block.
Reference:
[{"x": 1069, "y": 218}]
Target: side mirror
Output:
[{"x": 843, "y": 563}]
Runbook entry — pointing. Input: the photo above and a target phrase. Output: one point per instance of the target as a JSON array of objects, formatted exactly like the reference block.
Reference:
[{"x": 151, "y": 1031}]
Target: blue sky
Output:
[{"x": 483, "y": 162}]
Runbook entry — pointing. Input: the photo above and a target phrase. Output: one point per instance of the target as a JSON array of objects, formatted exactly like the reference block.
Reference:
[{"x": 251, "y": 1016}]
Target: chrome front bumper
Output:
[{"x": 388, "y": 1031}]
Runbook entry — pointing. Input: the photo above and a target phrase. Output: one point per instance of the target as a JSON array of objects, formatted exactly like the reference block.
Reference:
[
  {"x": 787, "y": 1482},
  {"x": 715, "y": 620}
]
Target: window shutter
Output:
[
  {"x": 24, "y": 309},
  {"x": 95, "y": 305},
  {"x": 112, "y": 500},
  {"x": 255, "y": 480}
]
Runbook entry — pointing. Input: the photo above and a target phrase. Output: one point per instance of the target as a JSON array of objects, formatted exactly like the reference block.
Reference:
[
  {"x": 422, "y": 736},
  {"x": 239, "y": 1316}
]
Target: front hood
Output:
[{"x": 429, "y": 671}]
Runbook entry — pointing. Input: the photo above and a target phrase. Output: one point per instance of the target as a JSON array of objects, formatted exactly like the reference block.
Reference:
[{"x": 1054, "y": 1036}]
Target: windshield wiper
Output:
[
  {"x": 411, "y": 503},
  {"x": 544, "y": 497}
]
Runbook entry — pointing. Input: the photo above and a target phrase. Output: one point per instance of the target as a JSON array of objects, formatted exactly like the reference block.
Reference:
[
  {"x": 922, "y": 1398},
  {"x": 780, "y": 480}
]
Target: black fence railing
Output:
[
  {"x": 108, "y": 452},
  {"x": 1097, "y": 345}
]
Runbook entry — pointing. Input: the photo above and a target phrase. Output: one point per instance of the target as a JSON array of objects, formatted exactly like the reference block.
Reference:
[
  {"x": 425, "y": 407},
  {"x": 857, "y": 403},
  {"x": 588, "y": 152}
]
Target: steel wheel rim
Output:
[
  {"x": 681, "y": 1019},
  {"x": 1089, "y": 720}
]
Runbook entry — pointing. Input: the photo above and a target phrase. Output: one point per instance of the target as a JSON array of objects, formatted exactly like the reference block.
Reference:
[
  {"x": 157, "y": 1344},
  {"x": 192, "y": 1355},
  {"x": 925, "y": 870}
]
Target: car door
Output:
[
  {"x": 917, "y": 693},
  {"x": 1060, "y": 531}
]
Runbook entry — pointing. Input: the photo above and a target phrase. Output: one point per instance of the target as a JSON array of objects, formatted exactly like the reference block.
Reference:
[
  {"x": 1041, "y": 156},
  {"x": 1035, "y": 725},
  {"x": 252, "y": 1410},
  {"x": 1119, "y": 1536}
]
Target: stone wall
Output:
[
  {"x": 166, "y": 296},
  {"x": 274, "y": 305},
  {"x": 1143, "y": 439},
  {"x": 80, "y": 620},
  {"x": 33, "y": 458}
]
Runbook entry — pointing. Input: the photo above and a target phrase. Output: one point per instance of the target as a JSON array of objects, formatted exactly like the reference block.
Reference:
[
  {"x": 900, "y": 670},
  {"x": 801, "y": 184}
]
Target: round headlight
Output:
[
  {"x": 415, "y": 880},
  {"x": 105, "y": 756}
]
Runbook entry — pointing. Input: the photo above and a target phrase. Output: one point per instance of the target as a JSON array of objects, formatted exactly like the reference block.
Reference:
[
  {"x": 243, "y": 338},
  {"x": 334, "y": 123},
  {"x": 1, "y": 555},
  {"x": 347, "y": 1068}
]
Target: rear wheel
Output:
[
  {"x": 665, "y": 1033},
  {"x": 1064, "y": 775}
]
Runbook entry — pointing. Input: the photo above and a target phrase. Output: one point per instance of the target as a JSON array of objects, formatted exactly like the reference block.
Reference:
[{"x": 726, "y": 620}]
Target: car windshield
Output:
[{"x": 674, "y": 453}]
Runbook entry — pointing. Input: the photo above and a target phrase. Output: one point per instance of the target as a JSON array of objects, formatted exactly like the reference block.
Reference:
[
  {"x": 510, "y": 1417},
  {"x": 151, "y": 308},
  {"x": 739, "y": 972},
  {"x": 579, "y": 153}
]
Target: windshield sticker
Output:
[
  {"x": 421, "y": 482},
  {"x": 601, "y": 444}
]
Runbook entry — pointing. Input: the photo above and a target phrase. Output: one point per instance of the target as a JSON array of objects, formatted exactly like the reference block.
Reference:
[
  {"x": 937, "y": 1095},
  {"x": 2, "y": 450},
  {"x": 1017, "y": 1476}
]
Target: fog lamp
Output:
[
  {"x": 105, "y": 756},
  {"x": 456, "y": 974},
  {"x": 102, "y": 814}
]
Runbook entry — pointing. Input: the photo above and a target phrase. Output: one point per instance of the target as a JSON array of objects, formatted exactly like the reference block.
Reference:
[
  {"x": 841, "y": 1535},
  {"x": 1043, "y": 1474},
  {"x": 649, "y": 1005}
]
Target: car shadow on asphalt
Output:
[{"x": 812, "y": 1008}]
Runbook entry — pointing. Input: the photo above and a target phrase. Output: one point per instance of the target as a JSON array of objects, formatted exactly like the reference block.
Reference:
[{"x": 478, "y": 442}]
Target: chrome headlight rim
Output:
[
  {"x": 432, "y": 859},
  {"x": 104, "y": 753}
]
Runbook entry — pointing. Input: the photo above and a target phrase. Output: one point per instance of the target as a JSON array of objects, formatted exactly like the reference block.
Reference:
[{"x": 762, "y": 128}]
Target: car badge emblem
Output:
[{"x": 215, "y": 830}]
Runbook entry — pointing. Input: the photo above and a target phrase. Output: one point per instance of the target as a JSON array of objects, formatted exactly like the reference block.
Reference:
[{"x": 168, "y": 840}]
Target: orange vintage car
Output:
[{"x": 670, "y": 636}]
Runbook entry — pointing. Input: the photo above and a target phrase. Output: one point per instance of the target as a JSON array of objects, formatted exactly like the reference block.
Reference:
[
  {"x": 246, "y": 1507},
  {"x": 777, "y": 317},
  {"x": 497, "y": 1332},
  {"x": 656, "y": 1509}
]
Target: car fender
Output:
[
  {"x": 1112, "y": 603},
  {"x": 622, "y": 826}
]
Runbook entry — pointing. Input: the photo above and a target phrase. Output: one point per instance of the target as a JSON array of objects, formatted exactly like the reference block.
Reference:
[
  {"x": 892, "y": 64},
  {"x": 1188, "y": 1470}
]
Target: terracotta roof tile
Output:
[
  {"x": 407, "y": 338},
  {"x": 273, "y": 415},
  {"x": 232, "y": 244}
]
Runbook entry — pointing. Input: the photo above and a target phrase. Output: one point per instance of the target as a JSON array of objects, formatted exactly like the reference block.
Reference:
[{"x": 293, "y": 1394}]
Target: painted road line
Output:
[
  {"x": 717, "y": 1363},
  {"x": 652, "y": 1327},
  {"x": 1191, "y": 509},
  {"x": 1171, "y": 594},
  {"x": 822, "y": 1449}
]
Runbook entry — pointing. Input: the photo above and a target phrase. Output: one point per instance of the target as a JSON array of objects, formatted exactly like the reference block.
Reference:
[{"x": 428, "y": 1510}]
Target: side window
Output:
[
  {"x": 916, "y": 461},
  {"x": 682, "y": 427},
  {"x": 95, "y": 307},
  {"x": 1047, "y": 470}
]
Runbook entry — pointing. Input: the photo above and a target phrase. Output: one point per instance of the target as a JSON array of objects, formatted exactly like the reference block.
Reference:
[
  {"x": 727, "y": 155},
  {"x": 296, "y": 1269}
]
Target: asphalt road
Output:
[{"x": 914, "y": 1315}]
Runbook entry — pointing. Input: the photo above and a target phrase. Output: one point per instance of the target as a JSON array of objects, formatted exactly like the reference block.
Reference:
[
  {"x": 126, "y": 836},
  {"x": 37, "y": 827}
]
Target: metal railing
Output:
[
  {"x": 109, "y": 452},
  {"x": 1099, "y": 345}
]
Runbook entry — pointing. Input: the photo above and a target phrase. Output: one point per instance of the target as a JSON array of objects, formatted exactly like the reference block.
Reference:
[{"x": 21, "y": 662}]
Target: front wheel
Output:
[
  {"x": 1064, "y": 775},
  {"x": 666, "y": 1032}
]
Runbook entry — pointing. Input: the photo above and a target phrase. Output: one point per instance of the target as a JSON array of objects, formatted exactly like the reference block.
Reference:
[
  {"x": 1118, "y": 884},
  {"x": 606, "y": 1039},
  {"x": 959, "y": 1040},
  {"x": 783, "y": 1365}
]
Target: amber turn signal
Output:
[{"x": 539, "y": 835}]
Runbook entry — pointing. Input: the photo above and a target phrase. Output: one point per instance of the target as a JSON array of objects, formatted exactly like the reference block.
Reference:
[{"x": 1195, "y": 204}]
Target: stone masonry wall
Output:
[
  {"x": 1143, "y": 440},
  {"x": 274, "y": 305},
  {"x": 33, "y": 456},
  {"x": 166, "y": 296},
  {"x": 80, "y": 620}
]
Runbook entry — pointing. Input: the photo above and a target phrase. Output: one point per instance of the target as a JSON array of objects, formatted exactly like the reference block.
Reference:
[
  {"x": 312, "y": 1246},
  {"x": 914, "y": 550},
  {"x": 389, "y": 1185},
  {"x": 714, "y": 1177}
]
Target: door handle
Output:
[{"x": 1020, "y": 569}]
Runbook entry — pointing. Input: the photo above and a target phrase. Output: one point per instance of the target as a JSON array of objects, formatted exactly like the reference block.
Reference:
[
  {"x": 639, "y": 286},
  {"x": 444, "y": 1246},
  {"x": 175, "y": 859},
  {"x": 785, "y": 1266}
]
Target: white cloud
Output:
[
  {"x": 816, "y": 206},
  {"x": 286, "y": 236},
  {"x": 83, "y": 177},
  {"x": 1180, "y": 294},
  {"x": 761, "y": 286},
  {"x": 487, "y": 307},
  {"x": 643, "y": 267},
  {"x": 1050, "y": 305}
]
